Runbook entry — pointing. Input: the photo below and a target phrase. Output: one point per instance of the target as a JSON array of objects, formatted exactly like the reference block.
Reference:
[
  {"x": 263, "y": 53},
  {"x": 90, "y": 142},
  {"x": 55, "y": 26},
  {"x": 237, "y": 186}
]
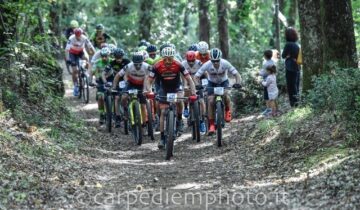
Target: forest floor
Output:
[{"x": 263, "y": 164}]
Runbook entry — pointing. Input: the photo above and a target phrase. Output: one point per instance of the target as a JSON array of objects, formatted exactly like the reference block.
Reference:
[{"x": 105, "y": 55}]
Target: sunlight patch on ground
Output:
[
  {"x": 270, "y": 137},
  {"x": 211, "y": 159},
  {"x": 183, "y": 137},
  {"x": 136, "y": 162},
  {"x": 89, "y": 107},
  {"x": 305, "y": 175},
  {"x": 192, "y": 185},
  {"x": 200, "y": 145},
  {"x": 246, "y": 119},
  {"x": 91, "y": 120}
]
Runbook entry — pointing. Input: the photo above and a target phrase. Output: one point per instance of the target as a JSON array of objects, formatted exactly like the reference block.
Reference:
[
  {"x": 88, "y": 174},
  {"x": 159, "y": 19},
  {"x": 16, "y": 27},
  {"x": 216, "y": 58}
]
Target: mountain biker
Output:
[
  {"x": 192, "y": 66},
  {"x": 135, "y": 73},
  {"x": 70, "y": 31},
  {"x": 100, "y": 37},
  {"x": 98, "y": 69},
  {"x": 153, "y": 56},
  {"x": 193, "y": 47},
  {"x": 203, "y": 53},
  {"x": 217, "y": 69},
  {"x": 117, "y": 64},
  {"x": 168, "y": 70},
  {"x": 74, "y": 51}
]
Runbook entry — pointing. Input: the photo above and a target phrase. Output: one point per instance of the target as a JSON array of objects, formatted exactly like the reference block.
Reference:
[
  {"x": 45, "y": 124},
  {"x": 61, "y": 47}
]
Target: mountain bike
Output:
[
  {"x": 83, "y": 78},
  {"x": 150, "y": 109}
]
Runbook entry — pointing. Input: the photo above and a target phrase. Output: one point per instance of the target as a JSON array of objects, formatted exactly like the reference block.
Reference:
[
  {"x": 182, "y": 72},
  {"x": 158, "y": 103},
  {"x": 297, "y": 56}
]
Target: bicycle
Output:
[
  {"x": 219, "y": 108},
  {"x": 132, "y": 115},
  {"x": 83, "y": 78},
  {"x": 170, "y": 122},
  {"x": 150, "y": 108},
  {"x": 194, "y": 117}
]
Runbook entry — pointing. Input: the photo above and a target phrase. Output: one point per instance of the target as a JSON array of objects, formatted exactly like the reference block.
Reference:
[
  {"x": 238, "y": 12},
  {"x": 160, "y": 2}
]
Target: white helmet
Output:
[
  {"x": 215, "y": 54},
  {"x": 168, "y": 52},
  {"x": 112, "y": 47},
  {"x": 203, "y": 47}
]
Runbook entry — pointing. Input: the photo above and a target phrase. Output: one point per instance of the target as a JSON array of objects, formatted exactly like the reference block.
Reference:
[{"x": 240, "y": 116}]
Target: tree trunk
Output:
[
  {"x": 311, "y": 40},
  {"x": 145, "y": 20},
  {"x": 204, "y": 22},
  {"x": 292, "y": 12},
  {"x": 223, "y": 27},
  {"x": 272, "y": 41},
  {"x": 339, "y": 38},
  {"x": 186, "y": 21},
  {"x": 120, "y": 7}
]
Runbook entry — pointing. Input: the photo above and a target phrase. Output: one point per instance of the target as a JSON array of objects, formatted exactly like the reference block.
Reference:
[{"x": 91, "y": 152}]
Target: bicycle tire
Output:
[
  {"x": 136, "y": 127},
  {"x": 86, "y": 90},
  {"x": 80, "y": 87},
  {"x": 108, "y": 113},
  {"x": 126, "y": 121},
  {"x": 219, "y": 119},
  {"x": 196, "y": 121},
  {"x": 68, "y": 68},
  {"x": 170, "y": 127},
  {"x": 150, "y": 120}
]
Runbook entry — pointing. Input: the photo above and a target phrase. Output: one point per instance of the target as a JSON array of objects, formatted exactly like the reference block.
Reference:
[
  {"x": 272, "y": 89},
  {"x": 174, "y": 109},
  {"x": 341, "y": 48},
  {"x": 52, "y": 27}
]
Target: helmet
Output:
[
  {"x": 100, "y": 27},
  {"x": 163, "y": 46},
  {"x": 74, "y": 24},
  {"x": 118, "y": 53},
  {"x": 78, "y": 32},
  {"x": 190, "y": 56},
  {"x": 172, "y": 46},
  {"x": 143, "y": 42},
  {"x": 193, "y": 47},
  {"x": 137, "y": 57},
  {"x": 142, "y": 48},
  {"x": 105, "y": 52},
  {"x": 215, "y": 54},
  {"x": 112, "y": 47},
  {"x": 151, "y": 48},
  {"x": 203, "y": 47},
  {"x": 168, "y": 52}
]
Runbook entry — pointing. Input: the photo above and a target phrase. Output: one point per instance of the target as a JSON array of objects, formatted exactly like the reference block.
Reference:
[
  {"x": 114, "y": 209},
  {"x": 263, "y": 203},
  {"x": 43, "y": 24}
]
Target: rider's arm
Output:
[
  {"x": 90, "y": 47},
  {"x": 189, "y": 80},
  {"x": 149, "y": 80},
  {"x": 198, "y": 74},
  {"x": 118, "y": 77},
  {"x": 235, "y": 73}
]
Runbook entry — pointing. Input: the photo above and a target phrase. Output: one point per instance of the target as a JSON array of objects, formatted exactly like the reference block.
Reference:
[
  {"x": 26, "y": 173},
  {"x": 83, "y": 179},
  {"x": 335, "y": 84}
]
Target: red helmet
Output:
[
  {"x": 190, "y": 56},
  {"x": 78, "y": 32}
]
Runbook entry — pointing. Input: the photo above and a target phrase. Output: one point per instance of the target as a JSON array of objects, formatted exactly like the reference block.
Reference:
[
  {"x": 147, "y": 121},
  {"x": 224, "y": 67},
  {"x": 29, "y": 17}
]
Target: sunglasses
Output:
[
  {"x": 215, "y": 61},
  {"x": 137, "y": 65}
]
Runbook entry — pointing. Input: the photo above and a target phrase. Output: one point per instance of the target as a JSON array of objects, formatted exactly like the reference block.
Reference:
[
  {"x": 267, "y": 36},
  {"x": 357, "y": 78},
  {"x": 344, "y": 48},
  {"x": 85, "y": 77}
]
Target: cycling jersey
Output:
[
  {"x": 217, "y": 75},
  {"x": 153, "y": 61},
  {"x": 134, "y": 76},
  {"x": 118, "y": 66},
  {"x": 199, "y": 57},
  {"x": 76, "y": 46},
  {"x": 98, "y": 40},
  {"x": 99, "y": 68},
  {"x": 169, "y": 76},
  {"x": 192, "y": 70}
]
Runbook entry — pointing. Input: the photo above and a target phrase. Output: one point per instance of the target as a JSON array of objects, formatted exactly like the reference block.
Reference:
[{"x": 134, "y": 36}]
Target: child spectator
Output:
[
  {"x": 272, "y": 90},
  {"x": 268, "y": 55}
]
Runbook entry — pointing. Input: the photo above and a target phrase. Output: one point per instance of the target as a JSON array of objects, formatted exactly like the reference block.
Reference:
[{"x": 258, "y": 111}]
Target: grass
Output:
[{"x": 325, "y": 155}]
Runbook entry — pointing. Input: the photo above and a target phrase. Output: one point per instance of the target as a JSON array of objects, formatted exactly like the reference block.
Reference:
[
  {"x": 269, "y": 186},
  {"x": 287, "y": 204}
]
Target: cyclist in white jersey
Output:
[
  {"x": 74, "y": 51},
  {"x": 135, "y": 74},
  {"x": 217, "y": 69}
]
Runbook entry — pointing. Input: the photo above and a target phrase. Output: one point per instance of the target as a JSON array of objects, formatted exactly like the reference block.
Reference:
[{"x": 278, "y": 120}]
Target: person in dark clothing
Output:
[{"x": 290, "y": 54}]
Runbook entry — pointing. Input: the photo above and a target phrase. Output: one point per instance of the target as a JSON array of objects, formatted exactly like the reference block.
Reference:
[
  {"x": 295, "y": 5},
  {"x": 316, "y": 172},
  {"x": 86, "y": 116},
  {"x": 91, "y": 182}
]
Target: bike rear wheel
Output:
[
  {"x": 150, "y": 120},
  {"x": 219, "y": 118},
  {"x": 85, "y": 89},
  {"x": 170, "y": 127},
  {"x": 136, "y": 123},
  {"x": 108, "y": 105},
  {"x": 196, "y": 121}
]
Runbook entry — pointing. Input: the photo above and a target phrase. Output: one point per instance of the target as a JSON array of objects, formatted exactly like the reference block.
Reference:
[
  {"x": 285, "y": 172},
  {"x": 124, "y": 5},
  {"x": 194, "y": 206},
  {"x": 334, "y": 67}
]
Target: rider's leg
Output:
[
  {"x": 211, "y": 101},
  {"x": 227, "y": 108},
  {"x": 124, "y": 100}
]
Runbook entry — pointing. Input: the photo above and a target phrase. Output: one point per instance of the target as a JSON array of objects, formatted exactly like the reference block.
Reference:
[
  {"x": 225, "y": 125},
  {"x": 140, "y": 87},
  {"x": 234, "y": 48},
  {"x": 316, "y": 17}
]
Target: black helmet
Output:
[
  {"x": 119, "y": 53},
  {"x": 193, "y": 47},
  {"x": 100, "y": 27},
  {"x": 151, "y": 48},
  {"x": 137, "y": 57},
  {"x": 143, "y": 42}
]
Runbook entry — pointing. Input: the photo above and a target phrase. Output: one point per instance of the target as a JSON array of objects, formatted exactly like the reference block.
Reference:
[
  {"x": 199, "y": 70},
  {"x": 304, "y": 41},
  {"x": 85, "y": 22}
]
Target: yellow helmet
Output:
[{"x": 74, "y": 24}]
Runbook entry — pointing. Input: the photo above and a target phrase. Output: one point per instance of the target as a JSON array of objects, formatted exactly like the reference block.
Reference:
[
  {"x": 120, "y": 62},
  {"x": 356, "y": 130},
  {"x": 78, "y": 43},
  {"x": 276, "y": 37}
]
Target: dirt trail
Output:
[{"x": 116, "y": 174}]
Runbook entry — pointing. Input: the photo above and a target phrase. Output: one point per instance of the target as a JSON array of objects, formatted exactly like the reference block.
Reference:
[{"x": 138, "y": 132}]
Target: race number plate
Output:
[
  {"x": 219, "y": 91},
  {"x": 204, "y": 82},
  {"x": 133, "y": 91},
  {"x": 122, "y": 84},
  {"x": 171, "y": 97}
]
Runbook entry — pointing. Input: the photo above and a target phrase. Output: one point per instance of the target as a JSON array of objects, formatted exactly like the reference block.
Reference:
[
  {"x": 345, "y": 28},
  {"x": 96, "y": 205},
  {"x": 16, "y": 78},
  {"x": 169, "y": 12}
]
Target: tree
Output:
[
  {"x": 146, "y": 8},
  {"x": 311, "y": 40},
  {"x": 223, "y": 27},
  {"x": 204, "y": 22},
  {"x": 339, "y": 37},
  {"x": 292, "y": 12}
]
